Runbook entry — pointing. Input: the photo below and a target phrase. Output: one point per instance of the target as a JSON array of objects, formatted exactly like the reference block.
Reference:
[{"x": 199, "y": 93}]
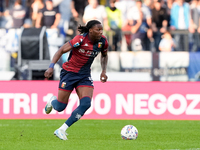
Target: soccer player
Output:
[{"x": 75, "y": 72}]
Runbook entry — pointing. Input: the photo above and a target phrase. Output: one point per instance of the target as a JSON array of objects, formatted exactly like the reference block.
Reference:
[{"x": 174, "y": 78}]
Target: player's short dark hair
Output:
[{"x": 90, "y": 24}]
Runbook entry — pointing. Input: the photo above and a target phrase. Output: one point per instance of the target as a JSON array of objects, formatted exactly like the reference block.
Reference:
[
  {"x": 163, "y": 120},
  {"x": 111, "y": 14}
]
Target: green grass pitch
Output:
[{"x": 99, "y": 135}]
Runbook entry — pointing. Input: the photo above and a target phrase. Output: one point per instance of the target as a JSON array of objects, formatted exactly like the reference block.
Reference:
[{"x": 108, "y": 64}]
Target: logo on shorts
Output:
[
  {"x": 63, "y": 84},
  {"x": 100, "y": 45}
]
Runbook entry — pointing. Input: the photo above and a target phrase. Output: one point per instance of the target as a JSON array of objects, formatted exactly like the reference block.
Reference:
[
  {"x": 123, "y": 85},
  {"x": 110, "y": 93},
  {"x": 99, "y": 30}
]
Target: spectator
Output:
[
  {"x": 159, "y": 22},
  {"x": 115, "y": 24},
  {"x": 27, "y": 4},
  {"x": 95, "y": 11},
  {"x": 4, "y": 5},
  {"x": 167, "y": 44},
  {"x": 198, "y": 6},
  {"x": 6, "y": 20},
  {"x": 102, "y": 2},
  {"x": 180, "y": 20},
  {"x": 50, "y": 16},
  {"x": 65, "y": 16},
  {"x": 195, "y": 27},
  {"x": 58, "y": 3},
  {"x": 1, "y": 8},
  {"x": 23, "y": 2},
  {"x": 180, "y": 14},
  {"x": 168, "y": 7},
  {"x": 18, "y": 14},
  {"x": 140, "y": 19},
  {"x": 35, "y": 7},
  {"x": 78, "y": 10},
  {"x": 148, "y": 4},
  {"x": 1, "y": 12},
  {"x": 169, "y": 4},
  {"x": 124, "y": 6}
]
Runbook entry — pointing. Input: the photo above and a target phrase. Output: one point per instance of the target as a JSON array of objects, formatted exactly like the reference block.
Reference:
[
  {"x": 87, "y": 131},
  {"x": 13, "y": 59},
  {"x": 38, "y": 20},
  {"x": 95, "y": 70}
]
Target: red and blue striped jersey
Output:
[{"x": 83, "y": 53}]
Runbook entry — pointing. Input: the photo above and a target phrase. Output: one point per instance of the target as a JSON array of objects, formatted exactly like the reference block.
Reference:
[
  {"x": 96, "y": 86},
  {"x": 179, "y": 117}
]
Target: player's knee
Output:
[
  {"x": 58, "y": 105},
  {"x": 59, "y": 109},
  {"x": 85, "y": 102}
]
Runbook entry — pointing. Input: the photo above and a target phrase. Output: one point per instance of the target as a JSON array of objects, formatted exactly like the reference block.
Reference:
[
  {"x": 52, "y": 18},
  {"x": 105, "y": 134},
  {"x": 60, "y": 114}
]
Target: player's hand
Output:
[
  {"x": 48, "y": 73},
  {"x": 103, "y": 77}
]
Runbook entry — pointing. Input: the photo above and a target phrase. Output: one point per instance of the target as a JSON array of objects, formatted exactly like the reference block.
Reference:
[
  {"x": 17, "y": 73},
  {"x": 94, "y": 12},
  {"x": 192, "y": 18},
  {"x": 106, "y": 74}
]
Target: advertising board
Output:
[{"x": 111, "y": 100}]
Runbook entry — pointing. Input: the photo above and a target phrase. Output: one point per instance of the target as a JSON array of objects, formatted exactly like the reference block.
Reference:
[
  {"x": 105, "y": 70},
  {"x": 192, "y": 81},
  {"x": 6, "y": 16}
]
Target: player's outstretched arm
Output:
[
  {"x": 65, "y": 48},
  {"x": 104, "y": 60}
]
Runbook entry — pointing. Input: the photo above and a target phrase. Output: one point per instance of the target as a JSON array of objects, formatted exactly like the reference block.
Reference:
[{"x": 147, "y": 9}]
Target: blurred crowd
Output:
[{"x": 151, "y": 25}]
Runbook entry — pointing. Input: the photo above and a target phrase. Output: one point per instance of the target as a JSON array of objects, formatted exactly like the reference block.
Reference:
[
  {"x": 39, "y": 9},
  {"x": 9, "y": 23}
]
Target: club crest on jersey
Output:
[
  {"x": 100, "y": 45},
  {"x": 63, "y": 84}
]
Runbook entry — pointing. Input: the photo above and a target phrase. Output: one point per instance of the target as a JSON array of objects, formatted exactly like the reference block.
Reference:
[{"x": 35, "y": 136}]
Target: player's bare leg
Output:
[
  {"x": 59, "y": 105},
  {"x": 84, "y": 91},
  {"x": 84, "y": 94}
]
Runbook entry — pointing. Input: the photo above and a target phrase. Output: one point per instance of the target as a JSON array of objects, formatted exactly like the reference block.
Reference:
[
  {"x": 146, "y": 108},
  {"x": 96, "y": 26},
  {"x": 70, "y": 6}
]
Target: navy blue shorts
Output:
[{"x": 70, "y": 80}]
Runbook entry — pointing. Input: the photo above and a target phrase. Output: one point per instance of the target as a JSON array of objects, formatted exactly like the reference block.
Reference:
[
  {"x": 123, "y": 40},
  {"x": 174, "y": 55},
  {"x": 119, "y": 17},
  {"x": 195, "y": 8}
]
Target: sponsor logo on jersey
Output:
[
  {"x": 89, "y": 53},
  {"x": 100, "y": 45},
  {"x": 81, "y": 50}
]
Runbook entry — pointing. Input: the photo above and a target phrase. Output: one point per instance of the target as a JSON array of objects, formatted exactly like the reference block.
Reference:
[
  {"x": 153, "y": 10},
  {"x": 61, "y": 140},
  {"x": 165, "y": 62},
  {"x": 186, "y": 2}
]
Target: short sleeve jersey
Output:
[
  {"x": 134, "y": 13},
  {"x": 98, "y": 13},
  {"x": 49, "y": 16},
  {"x": 80, "y": 8},
  {"x": 83, "y": 53},
  {"x": 18, "y": 16}
]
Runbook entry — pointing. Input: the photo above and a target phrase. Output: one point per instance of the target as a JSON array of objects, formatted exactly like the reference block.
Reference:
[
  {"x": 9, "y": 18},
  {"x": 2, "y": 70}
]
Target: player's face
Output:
[{"x": 97, "y": 31}]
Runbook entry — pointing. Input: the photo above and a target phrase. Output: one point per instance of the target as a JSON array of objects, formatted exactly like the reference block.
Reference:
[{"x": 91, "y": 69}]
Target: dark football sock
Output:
[
  {"x": 59, "y": 106},
  {"x": 85, "y": 104}
]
